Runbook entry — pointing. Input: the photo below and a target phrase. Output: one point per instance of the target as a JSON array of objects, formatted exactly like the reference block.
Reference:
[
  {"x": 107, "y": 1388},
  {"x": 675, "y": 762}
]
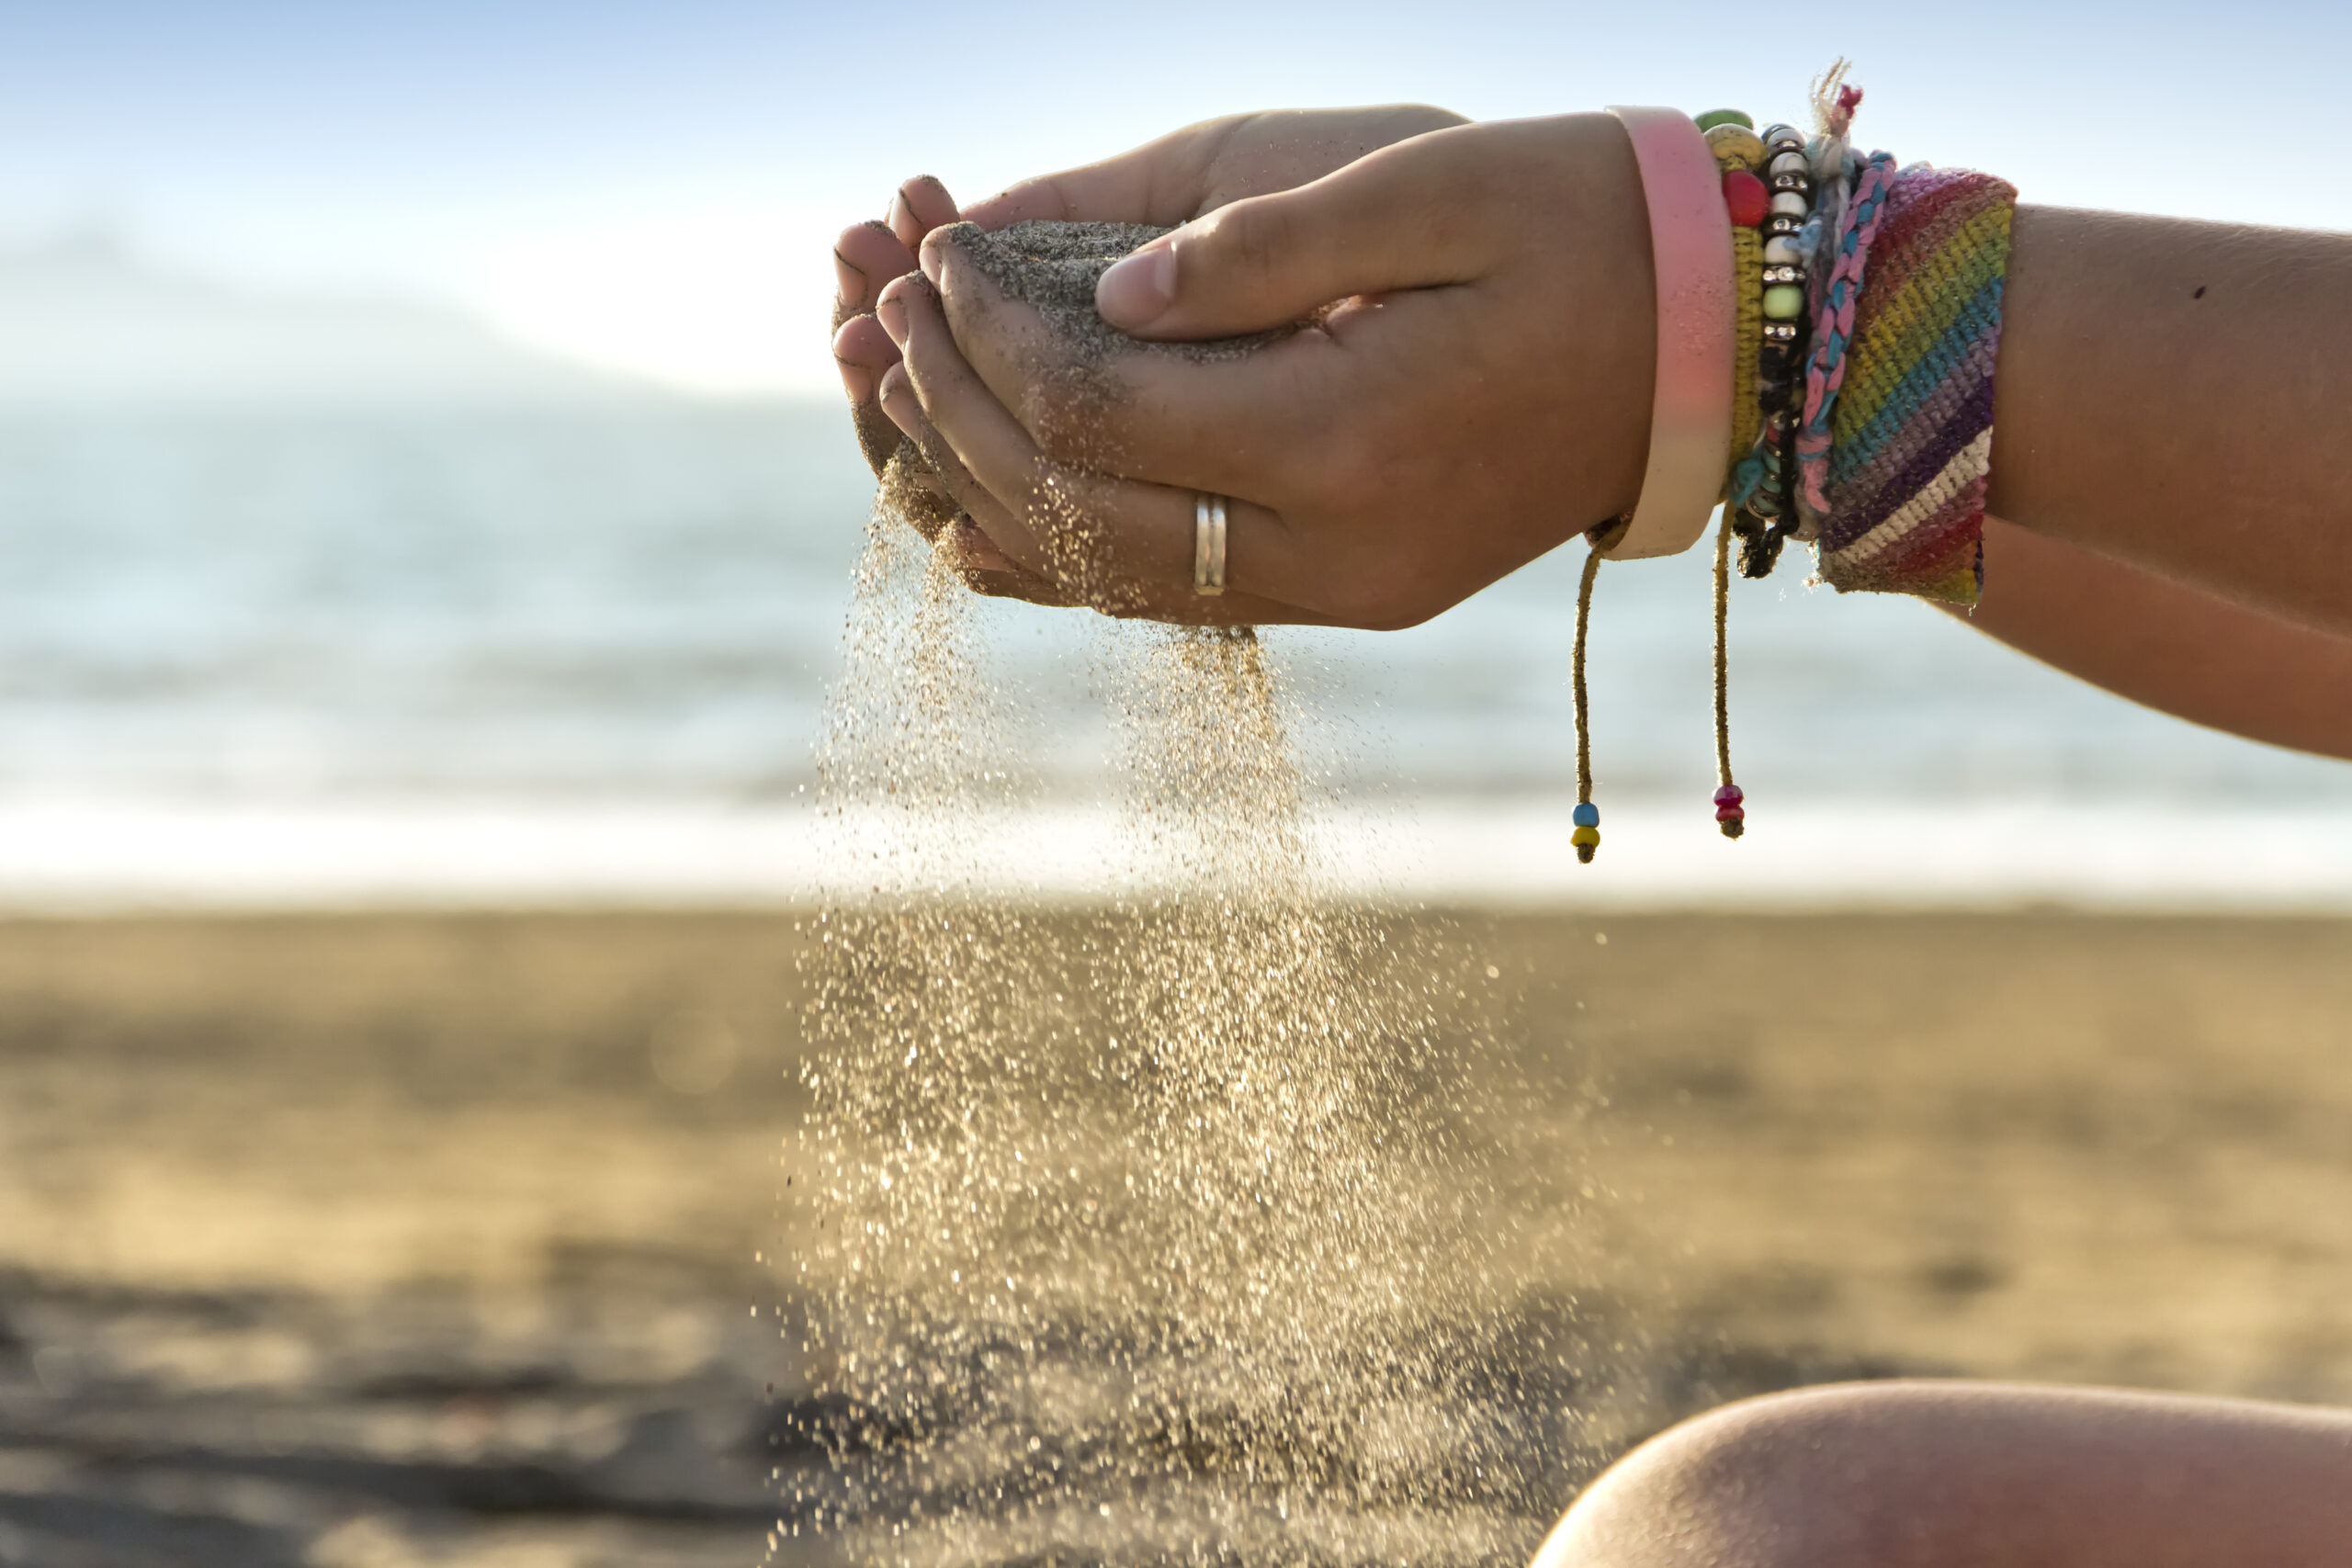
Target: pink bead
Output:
[
  {"x": 1730, "y": 814},
  {"x": 1729, "y": 796}
]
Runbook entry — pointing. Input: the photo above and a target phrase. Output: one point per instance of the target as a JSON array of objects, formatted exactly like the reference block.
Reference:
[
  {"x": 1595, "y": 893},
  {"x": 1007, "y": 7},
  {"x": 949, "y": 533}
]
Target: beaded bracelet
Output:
[
  {"x": 1740, "y": 153},
  {"x": 1862, "y": 415},
  {"x": 1760, "y": 494},
  {"x": 1736, "y": 202}
]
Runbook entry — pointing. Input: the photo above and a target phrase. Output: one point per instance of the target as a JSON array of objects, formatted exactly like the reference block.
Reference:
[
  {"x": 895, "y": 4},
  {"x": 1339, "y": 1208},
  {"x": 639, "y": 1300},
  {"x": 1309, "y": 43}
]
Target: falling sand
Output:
[
  {"x": 1146, "y": 1235},
  {"x": 1148, "y": 1242}
]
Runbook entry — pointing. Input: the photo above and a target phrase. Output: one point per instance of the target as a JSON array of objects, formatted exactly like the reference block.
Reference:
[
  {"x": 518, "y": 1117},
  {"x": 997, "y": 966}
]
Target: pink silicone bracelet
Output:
[{"x": 1690, "y": 414}]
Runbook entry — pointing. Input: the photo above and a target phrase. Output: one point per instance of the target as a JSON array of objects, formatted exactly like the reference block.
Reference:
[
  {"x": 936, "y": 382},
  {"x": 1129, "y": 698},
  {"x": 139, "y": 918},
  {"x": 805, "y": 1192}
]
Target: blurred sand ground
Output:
[{"x": 370, "y": 1241}]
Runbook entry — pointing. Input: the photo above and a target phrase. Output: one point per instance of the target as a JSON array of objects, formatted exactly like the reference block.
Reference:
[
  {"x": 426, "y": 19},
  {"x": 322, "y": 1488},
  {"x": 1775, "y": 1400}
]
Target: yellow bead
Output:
[
  {"x": 1583, "y": 837},
  {"x": 1783, "y": 302},
  {"x": 1737, "y": 145}
]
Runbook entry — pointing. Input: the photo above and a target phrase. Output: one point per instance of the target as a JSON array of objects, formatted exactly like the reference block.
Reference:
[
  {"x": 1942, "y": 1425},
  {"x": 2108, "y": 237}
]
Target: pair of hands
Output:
[{"x": 1470, "y": 388}]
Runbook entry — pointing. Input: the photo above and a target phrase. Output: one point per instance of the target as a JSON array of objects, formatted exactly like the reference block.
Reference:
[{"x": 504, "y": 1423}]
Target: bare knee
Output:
[
  {"x": 1946, "y": 1474},
  {"x": 1814, "y": 1478}
]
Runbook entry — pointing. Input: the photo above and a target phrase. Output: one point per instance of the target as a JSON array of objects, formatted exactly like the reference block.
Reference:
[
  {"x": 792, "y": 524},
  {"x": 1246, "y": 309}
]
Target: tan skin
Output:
[
  {"x": 2175, "y": 400},
  {"x": 1385, "y": 524}
]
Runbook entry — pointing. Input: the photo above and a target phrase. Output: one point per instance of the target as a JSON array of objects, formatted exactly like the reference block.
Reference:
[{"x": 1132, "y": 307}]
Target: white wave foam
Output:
[{"x": 101, "y": 857}]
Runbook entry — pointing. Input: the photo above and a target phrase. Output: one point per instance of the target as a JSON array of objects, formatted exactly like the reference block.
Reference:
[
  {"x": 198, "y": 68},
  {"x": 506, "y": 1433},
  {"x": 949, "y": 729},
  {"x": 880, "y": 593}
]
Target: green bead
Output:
[
  {"x": 1715, "y": 117},
  {"x": 1784, "y": 301}
]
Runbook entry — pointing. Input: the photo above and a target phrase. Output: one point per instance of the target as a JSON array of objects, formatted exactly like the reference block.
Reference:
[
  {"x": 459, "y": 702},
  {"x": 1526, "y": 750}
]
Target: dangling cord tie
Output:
[
  {"x": 1587, "y": 837},
  {"x": 1729, "y": 815}
]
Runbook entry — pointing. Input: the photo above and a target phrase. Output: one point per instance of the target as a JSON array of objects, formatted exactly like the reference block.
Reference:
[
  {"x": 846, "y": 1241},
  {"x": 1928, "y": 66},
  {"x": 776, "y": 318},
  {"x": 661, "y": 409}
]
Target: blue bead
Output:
[{"x": 1587, "y": 815}]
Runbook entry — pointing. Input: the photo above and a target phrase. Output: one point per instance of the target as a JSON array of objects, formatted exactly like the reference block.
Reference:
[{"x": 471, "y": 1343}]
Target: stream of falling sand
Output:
[{"x": 1141, "y": 1235}]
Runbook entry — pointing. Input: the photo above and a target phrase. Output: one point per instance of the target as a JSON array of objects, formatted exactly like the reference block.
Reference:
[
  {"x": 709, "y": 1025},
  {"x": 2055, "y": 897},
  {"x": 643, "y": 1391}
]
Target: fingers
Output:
[
  {"x": 863, "y": 351},
  {"x": 1408, "y": 215},
  {"x": 1124, "y": 547},
  {"x": 1183, "y": 174},
  {"x": 866, "y": 256},
  {"x": 1052, "y": 512},
  {"x": 988, "y": 571},
  {"x": 986, "y": 568},
  {"x": 913, "y": 492},
  {"x": 920, "y": 206},
  {"x": 945, "y": 467}
]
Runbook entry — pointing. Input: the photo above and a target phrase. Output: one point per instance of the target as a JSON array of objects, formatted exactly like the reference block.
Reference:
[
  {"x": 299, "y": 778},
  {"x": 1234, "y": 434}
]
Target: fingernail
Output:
[
  {"x": 856, "y": 380},
  {"x": 892, "y": 315},
  {"x": 901, "y": 216},
  {"x": 849, "y": 283},
  {"x": 1136, "y": 292},
  {"x": 927, "y": 258}
]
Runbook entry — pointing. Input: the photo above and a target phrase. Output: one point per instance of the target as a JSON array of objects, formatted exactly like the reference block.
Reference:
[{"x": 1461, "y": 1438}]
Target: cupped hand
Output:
[
  {"x": 1467, "y": 386},
  {"x": 866, "y": 257},
  {"x": 1169, "y": 181}
]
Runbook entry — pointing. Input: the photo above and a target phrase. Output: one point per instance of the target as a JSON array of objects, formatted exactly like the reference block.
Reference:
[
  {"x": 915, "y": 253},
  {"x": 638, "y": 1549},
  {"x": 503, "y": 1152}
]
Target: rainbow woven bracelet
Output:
[{"x": 1895, "y": 444}]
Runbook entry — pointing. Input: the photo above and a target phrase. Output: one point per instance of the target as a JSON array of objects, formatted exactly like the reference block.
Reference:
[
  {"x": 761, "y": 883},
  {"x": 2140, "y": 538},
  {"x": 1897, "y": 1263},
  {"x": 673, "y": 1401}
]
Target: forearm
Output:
[
  {"x": 2183, "y": 652},
  {"x": 2178, "y": 395}
]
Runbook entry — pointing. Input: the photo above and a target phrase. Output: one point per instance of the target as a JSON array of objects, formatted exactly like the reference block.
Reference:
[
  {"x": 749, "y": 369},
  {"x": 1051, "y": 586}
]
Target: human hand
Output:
[
  {"x": 866, "y": 257},
  {"x": 1472, "y": 385},
  {"x": 1167, "y": 182}
]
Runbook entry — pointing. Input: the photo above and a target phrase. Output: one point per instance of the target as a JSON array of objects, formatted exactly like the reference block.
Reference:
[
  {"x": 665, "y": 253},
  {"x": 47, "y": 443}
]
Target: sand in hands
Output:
[{"x": 1055, "y": 266}]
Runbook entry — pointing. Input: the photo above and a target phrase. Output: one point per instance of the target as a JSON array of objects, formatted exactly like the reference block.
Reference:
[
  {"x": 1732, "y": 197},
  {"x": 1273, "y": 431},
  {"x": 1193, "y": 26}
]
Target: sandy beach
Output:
[{"x": 413, "y": 1239}]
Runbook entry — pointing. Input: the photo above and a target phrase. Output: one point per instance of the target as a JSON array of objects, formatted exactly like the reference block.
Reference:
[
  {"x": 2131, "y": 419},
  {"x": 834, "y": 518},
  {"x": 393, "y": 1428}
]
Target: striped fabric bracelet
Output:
[{"x": 1908, "y": 413}]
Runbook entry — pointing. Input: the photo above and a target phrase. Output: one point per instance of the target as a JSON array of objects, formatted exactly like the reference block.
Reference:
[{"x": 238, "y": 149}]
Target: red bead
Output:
[
  {"x": 1749, "y": 202},
  {"x": 1730, "y": 814},
  {"x": 1729, "y": 796}
]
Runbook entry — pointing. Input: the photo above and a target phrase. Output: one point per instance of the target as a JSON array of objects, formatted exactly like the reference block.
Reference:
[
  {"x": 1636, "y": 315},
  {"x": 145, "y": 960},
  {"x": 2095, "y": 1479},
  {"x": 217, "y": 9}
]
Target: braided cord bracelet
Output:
[
  {"x": 1833, "y": 327},
  {"x": 1741, "y": 154}
]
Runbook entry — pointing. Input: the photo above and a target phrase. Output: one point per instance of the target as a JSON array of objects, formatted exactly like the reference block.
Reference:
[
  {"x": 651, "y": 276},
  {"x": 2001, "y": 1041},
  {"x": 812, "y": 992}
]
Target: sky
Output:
[{"x": 653, "y": 186}]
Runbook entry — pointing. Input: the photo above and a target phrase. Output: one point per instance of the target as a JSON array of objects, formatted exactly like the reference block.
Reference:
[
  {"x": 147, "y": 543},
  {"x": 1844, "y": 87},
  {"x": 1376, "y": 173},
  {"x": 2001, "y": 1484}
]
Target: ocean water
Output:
[{"x": 579, "y": 650}]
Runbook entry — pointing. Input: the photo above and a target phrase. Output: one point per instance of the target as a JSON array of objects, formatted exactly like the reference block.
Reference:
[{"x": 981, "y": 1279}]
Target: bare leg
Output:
[{"x": 1974, "y": 1475}]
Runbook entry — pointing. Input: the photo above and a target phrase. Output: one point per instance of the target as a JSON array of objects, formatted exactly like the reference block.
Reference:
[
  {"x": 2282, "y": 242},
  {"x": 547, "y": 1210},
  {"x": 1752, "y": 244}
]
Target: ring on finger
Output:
[{"x": 1208, "y": 545}]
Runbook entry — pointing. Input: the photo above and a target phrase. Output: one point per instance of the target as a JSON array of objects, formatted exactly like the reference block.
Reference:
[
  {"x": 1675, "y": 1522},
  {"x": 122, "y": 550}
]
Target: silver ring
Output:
[{"x": 1208, "y": 545}]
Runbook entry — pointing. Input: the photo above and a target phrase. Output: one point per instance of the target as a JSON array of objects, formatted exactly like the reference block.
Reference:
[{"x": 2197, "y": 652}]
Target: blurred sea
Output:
[{"x": 538, "y": 638}]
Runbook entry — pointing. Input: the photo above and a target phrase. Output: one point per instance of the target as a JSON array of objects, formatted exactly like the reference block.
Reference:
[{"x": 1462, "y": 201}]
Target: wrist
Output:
[{"x": 1609, "y": 274}]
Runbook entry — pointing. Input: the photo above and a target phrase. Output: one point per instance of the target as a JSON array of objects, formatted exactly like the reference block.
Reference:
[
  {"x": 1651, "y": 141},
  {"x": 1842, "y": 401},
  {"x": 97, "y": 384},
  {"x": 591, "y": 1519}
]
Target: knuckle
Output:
[
  {"x": 1270, "y": 237},
  {"x": 1250, "y": 240},
  {"x": 1357, "y": 476}
]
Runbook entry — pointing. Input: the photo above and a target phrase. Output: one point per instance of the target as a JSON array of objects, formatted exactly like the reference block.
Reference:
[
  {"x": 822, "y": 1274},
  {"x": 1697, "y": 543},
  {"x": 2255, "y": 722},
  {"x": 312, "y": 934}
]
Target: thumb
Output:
[{"x": 1405, "y": 216}]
